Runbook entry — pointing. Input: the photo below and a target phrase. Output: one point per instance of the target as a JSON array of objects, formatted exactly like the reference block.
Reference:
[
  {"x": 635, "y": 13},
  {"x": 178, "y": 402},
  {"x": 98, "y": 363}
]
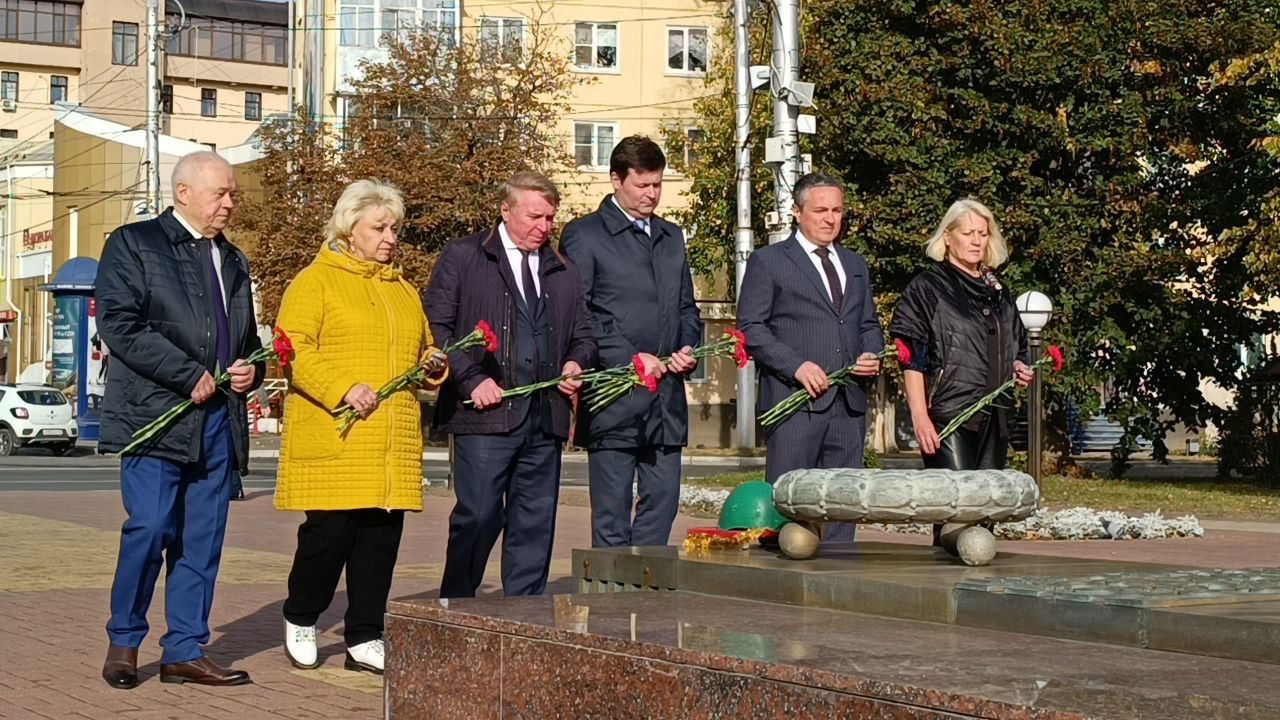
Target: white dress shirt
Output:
[
  {"x": 515, "y": 257},
  {"x": 213, "y": 250},
  {"x": 817, "y": 263},
  {"x": 633, "y": 220}
]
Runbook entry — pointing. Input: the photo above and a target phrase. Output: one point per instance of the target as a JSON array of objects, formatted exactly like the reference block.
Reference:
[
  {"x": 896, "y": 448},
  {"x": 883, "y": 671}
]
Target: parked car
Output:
[{"x": 36, "y": 415}]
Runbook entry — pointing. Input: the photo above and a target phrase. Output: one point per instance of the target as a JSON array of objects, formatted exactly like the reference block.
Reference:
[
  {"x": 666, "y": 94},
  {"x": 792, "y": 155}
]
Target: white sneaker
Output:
[
  {"x": 367, "y": 656},
  {"x": 300, "y": 646}
]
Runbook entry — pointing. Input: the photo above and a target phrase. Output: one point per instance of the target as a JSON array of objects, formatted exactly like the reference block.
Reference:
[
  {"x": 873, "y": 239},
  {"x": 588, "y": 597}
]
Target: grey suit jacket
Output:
[{"x": 786, "y": 314}]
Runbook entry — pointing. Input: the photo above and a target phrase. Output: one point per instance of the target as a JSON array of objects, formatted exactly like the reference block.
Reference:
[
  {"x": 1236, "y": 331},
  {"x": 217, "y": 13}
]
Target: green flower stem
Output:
[
  {"x": 798, "y": 399},
  {"x": 958, "y": 421},
  {"x": 154, "y": 427}
]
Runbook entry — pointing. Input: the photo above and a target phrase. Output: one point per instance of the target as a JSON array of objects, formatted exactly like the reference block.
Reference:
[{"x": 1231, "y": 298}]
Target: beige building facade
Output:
[
  {"x": 72, "y": 113},
  {"x": 647, "y": 62}
]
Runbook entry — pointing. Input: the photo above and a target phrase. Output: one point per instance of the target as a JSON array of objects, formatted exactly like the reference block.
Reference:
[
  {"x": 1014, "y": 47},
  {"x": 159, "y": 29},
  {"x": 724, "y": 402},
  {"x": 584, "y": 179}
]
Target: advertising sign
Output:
[
  {"x": 66, "y": 324},
  {"x": 95, "y": 376}
]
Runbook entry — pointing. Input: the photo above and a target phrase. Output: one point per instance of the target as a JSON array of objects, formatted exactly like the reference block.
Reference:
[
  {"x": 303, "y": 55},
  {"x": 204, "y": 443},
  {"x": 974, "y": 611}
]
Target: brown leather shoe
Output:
[
  {"x": 121, "y": 668},
  {"x": 202, "y": 671}
]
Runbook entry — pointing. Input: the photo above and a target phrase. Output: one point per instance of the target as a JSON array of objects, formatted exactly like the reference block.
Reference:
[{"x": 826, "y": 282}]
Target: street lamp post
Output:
[{"x": 1035, "y": 308}]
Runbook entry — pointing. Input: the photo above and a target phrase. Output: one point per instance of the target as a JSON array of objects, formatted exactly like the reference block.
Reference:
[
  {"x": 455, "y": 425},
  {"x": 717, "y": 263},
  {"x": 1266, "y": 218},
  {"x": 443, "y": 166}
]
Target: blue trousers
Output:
[
  {"x": 508, "y": 484},
  {"x": 832, "y": 438},
  {"x": 177, "y": 517},
  {"x": 656, "y": 473}
]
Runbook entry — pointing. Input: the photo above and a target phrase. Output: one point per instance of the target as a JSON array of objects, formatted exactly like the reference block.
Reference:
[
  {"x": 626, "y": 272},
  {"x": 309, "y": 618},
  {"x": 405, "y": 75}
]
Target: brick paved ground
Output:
[{"x": 57, "y": 554}]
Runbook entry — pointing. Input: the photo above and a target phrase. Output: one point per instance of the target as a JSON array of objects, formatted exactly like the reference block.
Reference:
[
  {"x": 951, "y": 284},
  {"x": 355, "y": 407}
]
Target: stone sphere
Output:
[
  {"x": 976, "y": 546},
  {"x": 797, "y": 541}
]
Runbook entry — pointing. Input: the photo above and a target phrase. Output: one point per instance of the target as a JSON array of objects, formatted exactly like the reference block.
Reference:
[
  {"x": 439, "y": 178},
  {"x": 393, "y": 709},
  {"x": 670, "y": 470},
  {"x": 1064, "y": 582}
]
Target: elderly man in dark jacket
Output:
[
  {"x": 174, "y": 308},
  {"x": 640, "y": 294},
  {"x": 507, "y": 450},
  {"x": 806, "y": 309}
]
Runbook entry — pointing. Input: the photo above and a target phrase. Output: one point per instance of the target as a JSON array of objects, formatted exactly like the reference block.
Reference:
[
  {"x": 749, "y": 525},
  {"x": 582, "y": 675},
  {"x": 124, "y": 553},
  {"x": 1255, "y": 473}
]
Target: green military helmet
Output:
[{"x": 750, "y": 507}]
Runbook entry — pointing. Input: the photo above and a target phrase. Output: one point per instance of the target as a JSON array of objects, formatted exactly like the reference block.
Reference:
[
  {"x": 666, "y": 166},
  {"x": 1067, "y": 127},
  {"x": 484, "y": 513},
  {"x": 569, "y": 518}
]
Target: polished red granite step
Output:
[{"x": 689, "y": 655}]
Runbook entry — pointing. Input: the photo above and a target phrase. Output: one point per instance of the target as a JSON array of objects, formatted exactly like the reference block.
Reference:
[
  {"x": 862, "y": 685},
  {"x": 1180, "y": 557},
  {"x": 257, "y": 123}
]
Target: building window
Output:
[
  {"x": 8, "y": 134},
  {"x": 595, "y": 46},
  {"x": 592, "y": 144},
  {"x": 166, "y": 99},
  {"x": 692, "y": 144},
  {"x": 357, "y": 26},
  {"x": 9, "y": 86},
  {"x": 503, "y": 37},
  {"x": 124, "y": 43},
  {"x": 355, "y": 23},
  {"x": 209, "y": 102},
  {"x": 228, "y": 40},
  {"x": 687, "y": 50},
  {"x": 40, "y": 21},
  {"x": 57, "y": 88},
  {"x": 252, "y": 106}
]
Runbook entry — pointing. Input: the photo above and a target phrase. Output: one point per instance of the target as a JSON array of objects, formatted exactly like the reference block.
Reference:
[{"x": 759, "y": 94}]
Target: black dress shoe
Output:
[
  {"x": 238, "y": 495},
  {"x": 121, "y": 668},
  {"x": 202, "y": 671}
]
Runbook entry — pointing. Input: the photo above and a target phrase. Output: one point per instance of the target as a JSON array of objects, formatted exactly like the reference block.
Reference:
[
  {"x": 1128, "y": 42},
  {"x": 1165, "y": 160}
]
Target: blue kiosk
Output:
[{"x": 79, "y": 356}]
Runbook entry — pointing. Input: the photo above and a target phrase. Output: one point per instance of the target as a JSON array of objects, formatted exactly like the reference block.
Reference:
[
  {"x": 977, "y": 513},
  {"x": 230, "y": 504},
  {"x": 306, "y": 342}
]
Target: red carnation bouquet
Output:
[
  {"x": 609, "y": 385},
  {"x": 481, "y": 336},
  {"x": 281, "y": 350},
  {"x": 1052, "y": 355},
  {"x": 843, "y": 376}
]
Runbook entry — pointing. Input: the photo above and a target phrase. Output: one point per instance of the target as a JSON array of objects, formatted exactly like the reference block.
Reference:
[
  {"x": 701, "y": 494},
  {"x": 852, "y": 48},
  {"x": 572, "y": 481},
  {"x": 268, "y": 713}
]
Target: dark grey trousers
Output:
[
  {"x": 656, "y": 472},
  {"x": 832, "y": 438}
]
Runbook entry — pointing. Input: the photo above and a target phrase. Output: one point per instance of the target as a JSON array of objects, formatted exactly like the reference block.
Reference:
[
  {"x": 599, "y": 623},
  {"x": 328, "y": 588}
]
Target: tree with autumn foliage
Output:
[
  {"x": 1122, "y": 145},
  {"x": 445, "y": 122}
]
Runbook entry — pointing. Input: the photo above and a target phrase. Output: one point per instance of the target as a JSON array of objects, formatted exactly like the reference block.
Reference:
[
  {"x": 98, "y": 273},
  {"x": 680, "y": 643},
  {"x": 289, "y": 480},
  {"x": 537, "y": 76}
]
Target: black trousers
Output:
[
  {"x": 965, "y": 449},
  {"x": 363, "y": 542}
]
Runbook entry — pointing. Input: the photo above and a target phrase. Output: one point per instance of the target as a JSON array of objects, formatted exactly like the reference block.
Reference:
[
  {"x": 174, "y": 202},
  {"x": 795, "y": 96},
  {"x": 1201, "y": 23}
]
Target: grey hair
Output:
[
  {"x": 997, "y": 251},
  {"x": 189, "y": 165},
  {"x": 355, "y": 199},
  {"x": 813, "y": 180},
  {"x": 509, "y": 194}
]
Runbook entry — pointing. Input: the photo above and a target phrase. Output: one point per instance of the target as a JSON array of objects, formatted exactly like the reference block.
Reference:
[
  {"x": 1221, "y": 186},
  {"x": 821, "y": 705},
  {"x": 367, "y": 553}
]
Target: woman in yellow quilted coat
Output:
[{"x": 355, "y": 324}]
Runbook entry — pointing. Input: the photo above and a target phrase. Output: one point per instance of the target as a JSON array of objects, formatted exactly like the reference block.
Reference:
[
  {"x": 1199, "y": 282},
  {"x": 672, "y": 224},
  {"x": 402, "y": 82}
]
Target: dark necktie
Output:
[
  {"x": 641, "y": 227},
  {"x": 219, "y": 311},
  {"x": 833, "y": 278},
  {"x": 526, "y": 279}
]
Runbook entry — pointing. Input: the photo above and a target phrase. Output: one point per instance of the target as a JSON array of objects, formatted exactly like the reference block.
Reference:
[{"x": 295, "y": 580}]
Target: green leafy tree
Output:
[
  {"x": 445, "y": 122},
  {"x": 1129, "y": 178}
]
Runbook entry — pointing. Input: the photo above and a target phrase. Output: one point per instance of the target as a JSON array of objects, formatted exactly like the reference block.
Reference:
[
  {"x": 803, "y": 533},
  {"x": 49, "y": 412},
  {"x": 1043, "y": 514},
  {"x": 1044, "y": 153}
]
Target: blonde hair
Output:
[
  {"x": 358, "y": 197},
  {"x": 528, "y": 180},
  {"x": 997, "y": 251}
]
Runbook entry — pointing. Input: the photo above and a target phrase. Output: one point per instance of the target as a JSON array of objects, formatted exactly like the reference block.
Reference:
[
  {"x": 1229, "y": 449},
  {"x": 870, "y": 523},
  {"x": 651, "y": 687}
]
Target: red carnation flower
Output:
[
  {"x": 490, "y": 340},
  {"x": 1055, "y": 353},
  {"x": 736, "y": 334},
  {"x": 650, "y": 383},
  {"x": 904, "y": 352},
  {"x": 283, "y": 347},
  {"x": 638, "y": 365},
  {"x": 740, "y": 357}
]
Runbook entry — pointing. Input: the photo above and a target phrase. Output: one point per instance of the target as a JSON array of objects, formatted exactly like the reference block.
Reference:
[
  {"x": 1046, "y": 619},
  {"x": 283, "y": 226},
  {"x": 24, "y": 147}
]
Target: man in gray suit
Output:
[{"x": 806, "y": 309}]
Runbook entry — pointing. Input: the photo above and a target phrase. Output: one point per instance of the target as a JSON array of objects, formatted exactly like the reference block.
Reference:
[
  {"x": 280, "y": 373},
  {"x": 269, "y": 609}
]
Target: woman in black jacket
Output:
[{"x": 965, "y": 338}]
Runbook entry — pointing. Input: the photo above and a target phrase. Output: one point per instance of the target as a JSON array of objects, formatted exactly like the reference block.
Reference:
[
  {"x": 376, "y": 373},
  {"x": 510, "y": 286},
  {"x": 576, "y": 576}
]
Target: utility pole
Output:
[
  {"x": 152, "y": 151},
  {"x": 782, "y": 149},
  {"x": 744, "y": 237}
]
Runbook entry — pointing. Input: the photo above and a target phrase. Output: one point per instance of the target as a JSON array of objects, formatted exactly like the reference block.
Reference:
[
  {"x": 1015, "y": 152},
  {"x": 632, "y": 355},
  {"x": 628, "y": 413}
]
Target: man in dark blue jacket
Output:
[
  {"x": 507, "y": 450},
  {"x": 806, "y": 309},
  {"x": 640, "y": 294},
  {"x": 174, "y": 307}
]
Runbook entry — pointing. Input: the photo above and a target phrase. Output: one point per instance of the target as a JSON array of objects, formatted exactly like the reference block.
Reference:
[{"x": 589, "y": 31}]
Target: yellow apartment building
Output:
[
  {"x": 647, "y": 60},
  {"x": 72, "y": 109}
]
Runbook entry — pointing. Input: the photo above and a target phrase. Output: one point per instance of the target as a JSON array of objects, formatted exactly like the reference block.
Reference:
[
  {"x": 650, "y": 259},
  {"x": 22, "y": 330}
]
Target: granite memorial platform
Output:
[{"x": 869, "y": 630}]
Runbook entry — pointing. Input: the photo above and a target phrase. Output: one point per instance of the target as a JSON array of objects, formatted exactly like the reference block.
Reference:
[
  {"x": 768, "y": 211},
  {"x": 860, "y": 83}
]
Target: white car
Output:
[{"x": 36, "y": 415}]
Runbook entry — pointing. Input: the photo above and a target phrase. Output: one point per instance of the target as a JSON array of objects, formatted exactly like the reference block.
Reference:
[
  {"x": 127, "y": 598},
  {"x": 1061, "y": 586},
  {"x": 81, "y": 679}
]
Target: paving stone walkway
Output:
[{"x": 57, "y": 555}]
